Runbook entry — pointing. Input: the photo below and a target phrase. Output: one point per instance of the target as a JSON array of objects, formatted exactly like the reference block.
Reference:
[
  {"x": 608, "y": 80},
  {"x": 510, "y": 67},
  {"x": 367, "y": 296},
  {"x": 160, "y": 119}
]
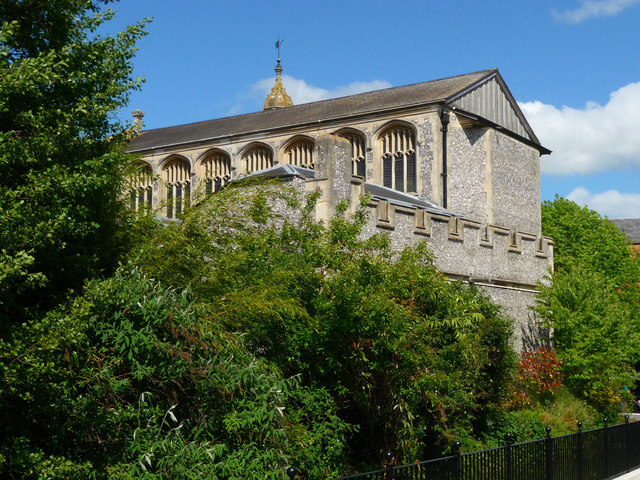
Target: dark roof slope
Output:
[
  {"x": 630, "y": 226},
  {"x": 377, "y": 192},
  {"x": 352, "y": 106},
  {"x": 281, "y": 171}
]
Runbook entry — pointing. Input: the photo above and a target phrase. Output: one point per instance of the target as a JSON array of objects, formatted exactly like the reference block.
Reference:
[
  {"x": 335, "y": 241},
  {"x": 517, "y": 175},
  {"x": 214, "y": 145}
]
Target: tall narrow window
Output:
[
  {"x": 358, "y": 162},
  {"x": 216, "y": 171},
  {"x": 141, "y": 193},
  {"x": 399, "y": 159},
  {"x": 256, "y": 159},
  {"x": 177, "y": 180},
  {"x": 300, "y": 153}
]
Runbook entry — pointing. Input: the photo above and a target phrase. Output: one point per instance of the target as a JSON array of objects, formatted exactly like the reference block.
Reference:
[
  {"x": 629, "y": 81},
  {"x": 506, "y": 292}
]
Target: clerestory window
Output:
[
  {"x": 358, "y": 158},
  {"x": 399, "y": 159},
  {"x": 257, "y": 158},
  {"x": 216, "y": 171},
  {"x": 141, "y": 193},
  {"x": 177, "y": 181},
  {"x": 300, "y": 154}
]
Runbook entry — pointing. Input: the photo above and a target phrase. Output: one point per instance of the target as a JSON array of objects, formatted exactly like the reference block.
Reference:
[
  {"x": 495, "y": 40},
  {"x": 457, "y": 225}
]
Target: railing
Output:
[{"x": 593, "y": 454}]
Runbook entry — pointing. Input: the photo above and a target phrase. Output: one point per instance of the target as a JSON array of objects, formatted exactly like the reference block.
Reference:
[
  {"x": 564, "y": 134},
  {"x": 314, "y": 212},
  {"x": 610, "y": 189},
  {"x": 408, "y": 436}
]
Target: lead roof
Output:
[
  {"x": 377, "y": 192},
  {"x": 386, "y": 100}
]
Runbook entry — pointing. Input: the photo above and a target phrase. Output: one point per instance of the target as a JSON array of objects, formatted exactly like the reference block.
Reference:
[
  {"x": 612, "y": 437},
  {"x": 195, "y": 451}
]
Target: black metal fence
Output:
[{"x": 592, "y": 454}]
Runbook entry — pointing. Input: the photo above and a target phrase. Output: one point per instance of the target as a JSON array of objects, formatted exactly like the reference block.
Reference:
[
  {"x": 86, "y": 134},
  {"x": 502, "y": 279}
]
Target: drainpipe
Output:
[{"x": 444, "y": 120}]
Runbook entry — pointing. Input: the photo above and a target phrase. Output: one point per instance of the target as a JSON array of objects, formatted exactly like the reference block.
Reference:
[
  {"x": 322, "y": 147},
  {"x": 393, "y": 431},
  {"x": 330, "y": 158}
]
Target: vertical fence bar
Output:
[
  {"x": 580, "y": 453},
  {"x": 627, "y": 443},
  {"x": 605, "y": 436},
  {"x": 548, "y": 450},
  {"x": 457, "y": 471},
  {"x": 388, "y": 465},
  {"x": 507, "y": 453}
]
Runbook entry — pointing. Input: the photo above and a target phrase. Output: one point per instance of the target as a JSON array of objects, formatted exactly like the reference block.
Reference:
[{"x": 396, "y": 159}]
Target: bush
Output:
[
  {"x": 407, "y": 357},
  {"x": 134, "y": 380}
]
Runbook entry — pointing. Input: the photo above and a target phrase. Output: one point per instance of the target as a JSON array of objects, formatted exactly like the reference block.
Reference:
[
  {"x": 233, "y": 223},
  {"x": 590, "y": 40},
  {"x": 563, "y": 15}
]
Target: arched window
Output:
[
  {"x": 177, "y": 180},
  {"x": 257, "y": 158},
  {"x": 399, "y": 159},
  {"x": 358, "y": 159},
  {"x": 141, "y": 193},
  {"x": 300, "y": 153},
  {"x": 216, "y": 171}
]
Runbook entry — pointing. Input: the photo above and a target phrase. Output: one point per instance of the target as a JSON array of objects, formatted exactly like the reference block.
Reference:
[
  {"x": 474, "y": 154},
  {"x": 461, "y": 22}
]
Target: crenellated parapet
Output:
[{"x": 465, "y": 248}]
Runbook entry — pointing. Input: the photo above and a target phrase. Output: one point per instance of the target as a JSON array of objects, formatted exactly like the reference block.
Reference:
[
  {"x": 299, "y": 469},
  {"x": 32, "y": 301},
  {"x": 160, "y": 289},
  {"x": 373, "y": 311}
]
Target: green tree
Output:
[
  {"x": 61, "y": 156},
  {"x": 595, "y": 331},
  {"x": 592, "y": 302},
  {"x": 582, "y": 236},
  {"x": 411, "y": 360},
  {"x": 133, "y": 380}
]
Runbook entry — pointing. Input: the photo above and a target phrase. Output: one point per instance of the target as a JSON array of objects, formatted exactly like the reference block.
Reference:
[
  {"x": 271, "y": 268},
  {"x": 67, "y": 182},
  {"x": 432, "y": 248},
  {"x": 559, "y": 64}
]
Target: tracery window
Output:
[
  {"x": 257, "y": 158},
  {"x": 141, "y": 193},
  {"x": 399, "y": 159},
  {"x": 300, "y": 154},
  {"x": 358, "y": 159},
  {"x": 177, "y": 181},
  {"x": 216, "y": 170}
]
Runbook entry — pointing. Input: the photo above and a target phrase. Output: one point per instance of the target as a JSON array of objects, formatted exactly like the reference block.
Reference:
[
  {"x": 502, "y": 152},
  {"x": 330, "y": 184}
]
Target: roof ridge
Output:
[{"x": 333, "y": 99}]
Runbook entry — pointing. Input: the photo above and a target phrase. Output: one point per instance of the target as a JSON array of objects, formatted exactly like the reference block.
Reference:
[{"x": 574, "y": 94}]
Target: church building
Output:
[{"x": 452, "y": 162}]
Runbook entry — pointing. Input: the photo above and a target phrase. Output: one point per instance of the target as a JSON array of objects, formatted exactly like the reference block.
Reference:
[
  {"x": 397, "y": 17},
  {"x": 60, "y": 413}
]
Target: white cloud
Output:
[
  {"x": 611, "y": 203},
  {"x": 589, "y": 140},
  {"x": 593, "y": 8},
  {"x": 301, "y": 92}
]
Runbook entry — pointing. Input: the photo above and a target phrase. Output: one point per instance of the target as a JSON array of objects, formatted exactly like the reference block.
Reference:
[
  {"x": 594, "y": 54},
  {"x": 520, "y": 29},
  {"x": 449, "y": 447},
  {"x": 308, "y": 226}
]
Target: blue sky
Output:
[{"x": 573, "y": 65}]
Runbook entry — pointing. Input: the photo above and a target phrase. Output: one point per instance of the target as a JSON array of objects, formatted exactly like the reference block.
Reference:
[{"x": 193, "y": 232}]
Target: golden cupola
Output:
[{"x": 278, "y": 98}]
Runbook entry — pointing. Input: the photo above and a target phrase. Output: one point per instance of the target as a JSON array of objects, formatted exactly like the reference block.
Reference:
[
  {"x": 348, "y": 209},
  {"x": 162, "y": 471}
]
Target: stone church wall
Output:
[
  {"x": 490, "y": 178},
  {"x": 504, "y": 261},
  {"x": 489, "y": 234},
  {"x": 515, "y": 198}
]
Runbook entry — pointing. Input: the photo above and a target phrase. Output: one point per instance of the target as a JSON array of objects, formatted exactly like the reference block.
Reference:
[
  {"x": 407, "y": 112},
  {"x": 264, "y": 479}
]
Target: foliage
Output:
[
  {"x": 595, "y": 333},
  {"x": 582, "y": 236},
  {"x": 539, "y": 372},
  {"x": 60, "y": 148},
  {"x": 527, "y": 420},
  {"x": 592, "y": 303},
  {"x": 133, "y": 381},
  {"x": 246, "y": 338},
  {"x": 408, "y": 358}
]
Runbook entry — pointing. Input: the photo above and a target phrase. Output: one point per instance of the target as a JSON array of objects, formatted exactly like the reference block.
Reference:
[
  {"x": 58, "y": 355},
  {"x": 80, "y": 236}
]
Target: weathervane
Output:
[{"x": 278, "y": 43}]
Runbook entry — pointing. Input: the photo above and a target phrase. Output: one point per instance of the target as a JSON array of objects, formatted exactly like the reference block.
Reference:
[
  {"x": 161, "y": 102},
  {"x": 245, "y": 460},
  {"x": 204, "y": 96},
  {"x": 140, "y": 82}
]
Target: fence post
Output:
[
  {"x": 292, "y": 472},
  {"x": 509, "y": 440},
  {"x": 548, "y": 449},
  {"x": 580, "y": 452},
  {"x": 626, "y": 442},
  {"x": 457, "y": 465},
  {"x": 388, "y": 465},
  {"x": 606, "y": 447}
]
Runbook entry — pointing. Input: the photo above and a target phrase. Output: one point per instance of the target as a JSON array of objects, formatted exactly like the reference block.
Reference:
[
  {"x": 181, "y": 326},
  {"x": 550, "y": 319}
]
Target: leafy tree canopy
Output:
[
  {"x": 592, "y": 302},
  {"x": 582, "y": 236},
  {"x": 60, "y": 148},
  {"x": 133, "y": 380}
]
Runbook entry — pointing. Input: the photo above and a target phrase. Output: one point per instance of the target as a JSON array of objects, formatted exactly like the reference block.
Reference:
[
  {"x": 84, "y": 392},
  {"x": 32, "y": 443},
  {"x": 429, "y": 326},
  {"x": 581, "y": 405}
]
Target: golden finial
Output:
[{"x": 278, "y": 98}]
